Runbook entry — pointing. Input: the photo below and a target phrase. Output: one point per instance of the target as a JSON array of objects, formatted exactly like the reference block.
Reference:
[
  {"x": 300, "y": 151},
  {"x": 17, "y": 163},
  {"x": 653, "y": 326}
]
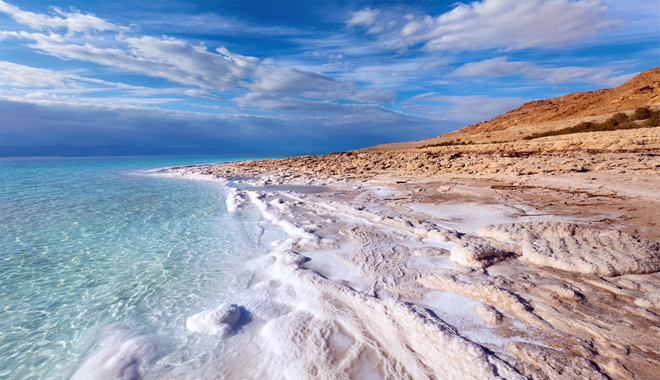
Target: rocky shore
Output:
[{"x": 541, "y": 255}]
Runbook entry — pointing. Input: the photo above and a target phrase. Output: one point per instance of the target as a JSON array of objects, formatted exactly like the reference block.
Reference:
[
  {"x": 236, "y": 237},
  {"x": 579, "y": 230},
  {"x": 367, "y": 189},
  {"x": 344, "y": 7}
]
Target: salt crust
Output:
[
  {"x": 476, "y": 255},
  {"x": 488, "y": 314},
  {"x": 308, "y": 312},
  {"x": 415, "y": 343},
  {"x": 405, "y": 340},
  {"x": 570, "y": 316},
  {"x": 489, "y": 294},
  {"x": 572, "y": 248},
  {"x": 556, "y": 365},
  {"x": 234, "y": 200},
  {"x": 218, "y": 322}
]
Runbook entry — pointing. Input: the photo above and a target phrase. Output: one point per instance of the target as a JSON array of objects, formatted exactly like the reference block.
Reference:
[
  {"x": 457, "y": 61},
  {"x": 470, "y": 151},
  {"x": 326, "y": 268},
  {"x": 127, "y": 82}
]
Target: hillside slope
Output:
[{"x": 550, "y": 114}]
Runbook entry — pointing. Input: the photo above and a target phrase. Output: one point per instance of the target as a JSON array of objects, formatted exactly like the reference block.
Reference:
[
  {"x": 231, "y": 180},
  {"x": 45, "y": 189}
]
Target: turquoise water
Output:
[{"x": 92, "y": 246}]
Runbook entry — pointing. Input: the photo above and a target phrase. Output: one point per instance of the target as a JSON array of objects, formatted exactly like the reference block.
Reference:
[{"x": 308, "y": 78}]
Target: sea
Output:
[{"x": 100, "y": 252}]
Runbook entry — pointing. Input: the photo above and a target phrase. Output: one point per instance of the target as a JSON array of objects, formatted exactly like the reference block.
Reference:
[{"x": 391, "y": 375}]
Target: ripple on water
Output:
[{"x": 86, "y": 244}]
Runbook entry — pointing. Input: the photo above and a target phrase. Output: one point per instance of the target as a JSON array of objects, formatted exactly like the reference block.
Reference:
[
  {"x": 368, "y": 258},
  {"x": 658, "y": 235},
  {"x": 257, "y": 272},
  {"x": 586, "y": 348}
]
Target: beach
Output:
[
  {"x": 294, "y": 190},
  {"x": 538, "y": 260}
]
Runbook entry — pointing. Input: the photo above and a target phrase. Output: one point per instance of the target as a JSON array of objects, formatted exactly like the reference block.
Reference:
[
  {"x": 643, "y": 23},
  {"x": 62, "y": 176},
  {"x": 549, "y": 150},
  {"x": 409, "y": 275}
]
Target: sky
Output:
[{"x": 296, "y": 77}]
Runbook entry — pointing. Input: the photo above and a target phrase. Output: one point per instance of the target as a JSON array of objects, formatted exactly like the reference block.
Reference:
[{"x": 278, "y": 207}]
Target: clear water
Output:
[{"x": 87, "y": 243}]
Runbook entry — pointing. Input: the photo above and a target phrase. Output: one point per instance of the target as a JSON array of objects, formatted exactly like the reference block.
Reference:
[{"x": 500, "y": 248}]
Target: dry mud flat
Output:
[{"x": 544, "y": 265}]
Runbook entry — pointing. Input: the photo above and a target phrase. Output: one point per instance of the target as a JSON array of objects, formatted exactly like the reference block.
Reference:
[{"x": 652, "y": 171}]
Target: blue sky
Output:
[{"x": 202, "y": 77}]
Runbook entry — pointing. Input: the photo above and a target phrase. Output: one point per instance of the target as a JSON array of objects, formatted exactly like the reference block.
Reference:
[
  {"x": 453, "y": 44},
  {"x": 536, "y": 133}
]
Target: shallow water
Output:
[{"x": 96, "y": 249}]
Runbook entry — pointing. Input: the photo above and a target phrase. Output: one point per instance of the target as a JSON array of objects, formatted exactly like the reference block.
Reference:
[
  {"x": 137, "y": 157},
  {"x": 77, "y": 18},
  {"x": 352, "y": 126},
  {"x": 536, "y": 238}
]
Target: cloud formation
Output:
[
  {"x": 273, "y": 79},
  {"x": 487, "y": 24},
  {"x": 12, "y": 74},
  {"x": 365, "y": 17},
  {"x": 273, "y": 103},
  {"x": 501, "y": 66},
  {"x": 71, "y": 21},
  {"x": 319, "y": 76},
  {"x": 178, "y": 61},
  {"x": 169, "y": 58},
  {"x": 464, "y": 109},
  {"x": 52, "y": 85}
]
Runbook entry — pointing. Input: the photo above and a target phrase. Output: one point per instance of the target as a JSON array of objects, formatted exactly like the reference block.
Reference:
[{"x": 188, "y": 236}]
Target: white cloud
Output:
[
  {"x": 168, "y": 58},
  {"x": 507, "y": 24},
  {"x": 201, "y": 94},
  {"x": 365, "y": 17},
  {"x": 273, "y": 79},
  {"x": 426, "y": 64},
  {"x": 269, "y": 102},
  {"x": 178, "y": 61},
  {"x": 37, "y": 83},
  {"x": 501, "y": 66},
  {"x": 359, "y": 118},
  {"x": 273, "y": 103},
  {"x": 464, "y": 109},
  {"x": 374, "y": 19},
  {"x": 15, "y": 75},
  {"x": 403, "y": 73},
  {"x": 211, "y": 23},
  {"x": 73, "y": 22},
  {"x": 317, "y": 54},
  {"x": 607, "y": 78}
]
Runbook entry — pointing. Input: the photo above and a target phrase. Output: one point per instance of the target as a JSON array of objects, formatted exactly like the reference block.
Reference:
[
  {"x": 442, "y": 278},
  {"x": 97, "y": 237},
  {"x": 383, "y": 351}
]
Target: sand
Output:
[{"x": 443, "y": 264}]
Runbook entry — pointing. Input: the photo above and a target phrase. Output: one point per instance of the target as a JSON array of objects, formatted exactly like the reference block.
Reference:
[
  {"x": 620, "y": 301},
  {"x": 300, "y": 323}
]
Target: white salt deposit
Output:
[
  {"x": 186, "y": 174},
  {"x": 323, "y": 319},
  {"x": 218, "y": 322},
  {"x": 396, "y": 340},
  {"x": 469, "y": 216},
  {"x": 488, "y": 314},
  {"x": 572, "y": 248},
  {"x": 477, "y": 255},
  {"x": 313, "y": 327},
  {"x": 234, "y": 200},
  {"x": 273, "y": 214},
  {"x": 118, "y": 356}
]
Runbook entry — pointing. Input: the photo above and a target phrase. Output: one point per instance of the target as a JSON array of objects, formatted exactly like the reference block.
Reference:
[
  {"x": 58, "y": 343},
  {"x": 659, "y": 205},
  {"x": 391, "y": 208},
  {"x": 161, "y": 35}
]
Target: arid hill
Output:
[{"x": 552, "y": 114}]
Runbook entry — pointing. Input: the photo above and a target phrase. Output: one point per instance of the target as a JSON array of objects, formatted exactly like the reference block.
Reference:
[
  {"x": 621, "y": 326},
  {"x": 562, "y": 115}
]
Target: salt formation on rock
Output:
[
  {"x": 573, "y": 248},
  {"x": 488, "y": 314},
  {"x": 320, "y": 328},
  {"x": 476, "y": 255},
  {"x": 400, "y": 340},
  {"x": 560, "y": 365},
  {"x": 234, "y": 200},
  {"x": 218, "y": 322}
]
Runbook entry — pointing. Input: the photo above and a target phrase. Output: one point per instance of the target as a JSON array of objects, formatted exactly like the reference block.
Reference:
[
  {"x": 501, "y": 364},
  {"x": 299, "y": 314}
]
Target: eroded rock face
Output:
[{"x": 572, "y": 248}]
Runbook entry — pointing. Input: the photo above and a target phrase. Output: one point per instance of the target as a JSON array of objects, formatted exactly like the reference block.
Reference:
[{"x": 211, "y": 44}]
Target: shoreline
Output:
[{"x": 475, "y": 258}]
